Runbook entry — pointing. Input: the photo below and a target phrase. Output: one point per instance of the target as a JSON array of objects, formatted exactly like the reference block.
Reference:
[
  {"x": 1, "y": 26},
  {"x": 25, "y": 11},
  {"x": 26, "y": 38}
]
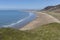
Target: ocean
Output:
[{"x": 15, "y": 18}]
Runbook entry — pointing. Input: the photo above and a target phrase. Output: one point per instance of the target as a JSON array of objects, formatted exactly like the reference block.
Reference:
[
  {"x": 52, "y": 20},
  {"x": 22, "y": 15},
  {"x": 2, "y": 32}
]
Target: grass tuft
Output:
[{"x": 46, "y": 32}]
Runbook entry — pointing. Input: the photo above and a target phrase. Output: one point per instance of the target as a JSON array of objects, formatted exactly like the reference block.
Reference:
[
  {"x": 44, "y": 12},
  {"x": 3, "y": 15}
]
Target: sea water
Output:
[{"x": 15, "y": 18}]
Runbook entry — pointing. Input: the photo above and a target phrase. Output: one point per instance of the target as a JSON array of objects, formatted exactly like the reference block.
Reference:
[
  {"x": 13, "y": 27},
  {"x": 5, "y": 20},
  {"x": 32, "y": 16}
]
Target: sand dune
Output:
[{"x": 42, "y": 18}]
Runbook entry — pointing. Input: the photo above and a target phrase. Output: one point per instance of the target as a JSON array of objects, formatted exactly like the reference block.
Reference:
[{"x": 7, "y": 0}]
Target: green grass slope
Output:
[
  {"x": 54, "y": 14},
  {"x": 45, "y": 32}
]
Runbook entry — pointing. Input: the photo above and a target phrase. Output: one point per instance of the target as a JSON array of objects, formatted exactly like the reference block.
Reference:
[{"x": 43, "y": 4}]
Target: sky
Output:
[{"x": 27, "y": 4}]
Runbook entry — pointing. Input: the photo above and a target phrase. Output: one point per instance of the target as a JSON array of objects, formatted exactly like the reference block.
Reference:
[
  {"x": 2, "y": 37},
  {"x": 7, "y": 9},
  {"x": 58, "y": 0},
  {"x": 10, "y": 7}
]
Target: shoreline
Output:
[
  {"x": 42, "y": 19},
  {"x": 21, "y": 23}
]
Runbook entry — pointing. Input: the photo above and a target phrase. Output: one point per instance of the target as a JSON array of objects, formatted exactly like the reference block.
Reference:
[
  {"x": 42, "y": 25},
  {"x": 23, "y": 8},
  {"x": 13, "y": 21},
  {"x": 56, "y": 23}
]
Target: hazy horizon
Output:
[{"x": 26, "y": 4}]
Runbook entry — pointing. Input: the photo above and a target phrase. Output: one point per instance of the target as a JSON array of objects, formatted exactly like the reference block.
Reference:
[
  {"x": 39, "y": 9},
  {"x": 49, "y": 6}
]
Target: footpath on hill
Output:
[{"x": 41, "y": 19}]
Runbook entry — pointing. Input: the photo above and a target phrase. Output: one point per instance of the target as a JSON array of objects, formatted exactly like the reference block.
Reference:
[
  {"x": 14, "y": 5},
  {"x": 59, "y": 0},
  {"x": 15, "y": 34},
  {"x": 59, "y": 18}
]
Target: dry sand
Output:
[{"x": 41, "y": 19}]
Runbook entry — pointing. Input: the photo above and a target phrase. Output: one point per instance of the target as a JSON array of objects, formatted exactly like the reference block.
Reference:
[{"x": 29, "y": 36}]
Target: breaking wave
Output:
[{"x": 20, "y": 21}]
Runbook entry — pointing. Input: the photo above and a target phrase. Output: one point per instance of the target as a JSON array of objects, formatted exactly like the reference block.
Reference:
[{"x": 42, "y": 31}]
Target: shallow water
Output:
[{"x": 14, "y": 18}]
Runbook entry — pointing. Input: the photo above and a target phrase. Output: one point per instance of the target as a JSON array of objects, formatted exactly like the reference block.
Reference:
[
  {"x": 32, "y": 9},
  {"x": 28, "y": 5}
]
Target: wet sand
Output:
[{"x": 41, "y": 19}]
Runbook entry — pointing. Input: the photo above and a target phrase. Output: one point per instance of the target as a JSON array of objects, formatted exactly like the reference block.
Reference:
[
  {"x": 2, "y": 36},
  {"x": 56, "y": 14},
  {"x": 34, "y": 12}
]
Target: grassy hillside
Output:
[
  {"x": 45, "y": 32},
  {"x": 54, "y": 14},
  {"x": 53, "y": 10}
]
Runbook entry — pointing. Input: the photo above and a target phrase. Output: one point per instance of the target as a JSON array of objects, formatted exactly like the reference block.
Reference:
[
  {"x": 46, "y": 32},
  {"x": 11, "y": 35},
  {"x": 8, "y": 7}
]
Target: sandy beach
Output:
[{"x": 41, "y": 19}]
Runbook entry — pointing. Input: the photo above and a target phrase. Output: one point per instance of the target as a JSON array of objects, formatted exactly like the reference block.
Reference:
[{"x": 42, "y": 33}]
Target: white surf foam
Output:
[{"x": 11, "y": 25}]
